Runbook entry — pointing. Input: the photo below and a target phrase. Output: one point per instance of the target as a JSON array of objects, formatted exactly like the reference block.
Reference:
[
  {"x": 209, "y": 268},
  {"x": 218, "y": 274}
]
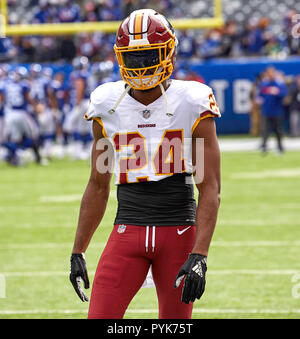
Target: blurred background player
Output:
[
  {"x": 40, "y": 80},
  {"x": 101, "y": 72},
  {"x": 74, "y": 125},
  {"x": 21, "y": 129},
  {"x": 59, "y": 97},
  {"x": 271, "y": 92}
]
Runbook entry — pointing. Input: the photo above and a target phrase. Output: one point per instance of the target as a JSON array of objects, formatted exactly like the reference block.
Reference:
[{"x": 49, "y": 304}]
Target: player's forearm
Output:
[
  {"x": 206, "y": 218},
  {"x": 92, "y": 209}
]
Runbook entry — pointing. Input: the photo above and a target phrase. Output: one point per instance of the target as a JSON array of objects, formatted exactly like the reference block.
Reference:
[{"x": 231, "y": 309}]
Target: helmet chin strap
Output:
[
  {"x": 163, "y": 92},
  {"x": 127, "y": 89}
]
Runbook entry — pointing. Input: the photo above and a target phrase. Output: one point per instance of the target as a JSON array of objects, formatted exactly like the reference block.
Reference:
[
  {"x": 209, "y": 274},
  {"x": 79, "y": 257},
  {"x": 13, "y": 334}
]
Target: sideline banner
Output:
[{"x": 231, "y": 80}]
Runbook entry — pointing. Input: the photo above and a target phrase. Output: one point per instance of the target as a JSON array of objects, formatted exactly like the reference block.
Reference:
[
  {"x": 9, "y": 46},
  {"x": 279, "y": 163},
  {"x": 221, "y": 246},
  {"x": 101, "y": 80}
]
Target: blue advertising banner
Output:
[{"x": 232, "y": 81}]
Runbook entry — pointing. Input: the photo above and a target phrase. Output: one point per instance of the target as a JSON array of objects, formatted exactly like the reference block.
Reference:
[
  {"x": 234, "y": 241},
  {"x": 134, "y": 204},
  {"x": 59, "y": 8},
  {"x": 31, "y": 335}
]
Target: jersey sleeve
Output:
[
  {"x": 91, "y": 111},
  {"x": 203, "y": 102},
  {"x": 92, "y": 114},
  {"x": 95, "y": 109},
  {"x": 98, "y": 98}
]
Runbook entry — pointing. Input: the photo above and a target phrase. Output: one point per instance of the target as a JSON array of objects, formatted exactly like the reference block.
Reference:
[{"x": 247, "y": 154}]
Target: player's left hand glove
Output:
[
  {"x": 193, "y": 270},
  {"x": 78, "y": 273}
]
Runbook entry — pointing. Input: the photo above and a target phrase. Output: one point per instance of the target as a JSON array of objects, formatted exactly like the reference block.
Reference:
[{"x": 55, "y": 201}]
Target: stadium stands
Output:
[{"x": 252, "y": 28}]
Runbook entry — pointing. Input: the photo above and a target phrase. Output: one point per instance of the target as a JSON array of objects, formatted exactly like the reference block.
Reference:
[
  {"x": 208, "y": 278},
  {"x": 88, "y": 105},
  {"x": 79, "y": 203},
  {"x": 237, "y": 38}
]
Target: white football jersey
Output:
[{"x": 151, "y": 143}]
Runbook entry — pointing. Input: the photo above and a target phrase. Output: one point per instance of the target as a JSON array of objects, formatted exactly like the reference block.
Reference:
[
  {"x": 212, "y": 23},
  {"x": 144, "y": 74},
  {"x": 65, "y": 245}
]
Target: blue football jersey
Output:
[
  {"x": 79, "y": 75},
  {"x": 39, "y": 89},
  {"x": 15, "y": 94}
]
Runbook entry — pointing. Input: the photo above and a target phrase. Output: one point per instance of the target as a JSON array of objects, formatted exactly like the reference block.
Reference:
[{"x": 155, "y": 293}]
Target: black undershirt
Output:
[{"x": 167, "y": 202}]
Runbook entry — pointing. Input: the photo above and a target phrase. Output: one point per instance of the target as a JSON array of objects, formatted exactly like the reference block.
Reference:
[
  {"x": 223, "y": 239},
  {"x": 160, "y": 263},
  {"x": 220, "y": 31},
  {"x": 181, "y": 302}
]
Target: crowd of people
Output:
[
  {"x": 256, "y": 36},
  {"x": 254, "y": 39}
]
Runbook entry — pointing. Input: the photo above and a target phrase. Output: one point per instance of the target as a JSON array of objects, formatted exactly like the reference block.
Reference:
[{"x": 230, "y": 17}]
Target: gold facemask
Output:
[{"x": 146, "y": 66}]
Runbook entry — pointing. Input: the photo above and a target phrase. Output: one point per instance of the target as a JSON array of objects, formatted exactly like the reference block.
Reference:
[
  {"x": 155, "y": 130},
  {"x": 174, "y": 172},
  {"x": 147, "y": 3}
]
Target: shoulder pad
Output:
[
  {"x": 202, "y": 96},
  {"x": 197, "y": 91},
  {"x": 102, "y": 98}
]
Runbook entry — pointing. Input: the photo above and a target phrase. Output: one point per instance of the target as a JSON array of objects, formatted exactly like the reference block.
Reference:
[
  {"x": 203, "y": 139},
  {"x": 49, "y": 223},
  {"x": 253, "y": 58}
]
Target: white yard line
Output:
[
  {"x": 153, "y": 311},
  {"x": 283, "y": 271},
  {"x": 216, "y": 243},
  {"x": 259, "y": 223},
  {"x": 259, "y": 243},
  {"x": 67, "y": 198},
  {"x": 60, "y": 198},
  {"x": 42, "y": 246},
  {"x": 281, "y": 173},
  {"x": 221, "y": 223},
  {"x": 253, "y": 144}
]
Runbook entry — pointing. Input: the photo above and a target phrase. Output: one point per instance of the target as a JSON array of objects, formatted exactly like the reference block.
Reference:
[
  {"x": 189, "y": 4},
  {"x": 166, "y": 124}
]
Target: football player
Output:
[
  {"x": 21, "y": 129},
  {"x": 155, "y": 127},
  {"x": 74, "y": 125},
  {"x": 59, "y": 102},
  {"x": 40, "y": 92}
]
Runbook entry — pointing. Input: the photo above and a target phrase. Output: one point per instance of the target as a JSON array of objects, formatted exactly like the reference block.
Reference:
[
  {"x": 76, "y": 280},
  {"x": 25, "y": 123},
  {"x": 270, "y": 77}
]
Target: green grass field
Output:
[{"x": 253, "y": 264}]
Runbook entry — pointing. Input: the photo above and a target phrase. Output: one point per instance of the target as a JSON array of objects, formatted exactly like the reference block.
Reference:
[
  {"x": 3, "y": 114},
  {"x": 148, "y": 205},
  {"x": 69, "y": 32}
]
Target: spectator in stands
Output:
[
  {"x": 109, "y": 11},
  {"x": 66, "y": 48},
  {"x": 158, "y": 5},
  {"x": 229, "y": 40},
  {"x": 128, "y": 6},
  {"x": 275, "y": 45},
  {"x": 28, "y": 50},
  {"x": 292, "y": 41},
  {"x": 271, "y": 92},
  {"x": 187, "y": 46},
  {"x": 295, "y": 108},
  {"x": 68, "y": 11},
  {"x": 47, "y": 49},
  {"x": 254, "y": 36},
  {"x": 87, "y": 46},
  {"x": 90, "y": 12},
  {"x": 42, "y": 15},
  {"x": 211, "y": 46},
  {"x": 256, "y": 39}
]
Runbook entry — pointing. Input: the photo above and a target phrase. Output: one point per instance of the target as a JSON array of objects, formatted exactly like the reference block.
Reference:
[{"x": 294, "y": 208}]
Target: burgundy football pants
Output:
[{"x": 124, "y": 265}]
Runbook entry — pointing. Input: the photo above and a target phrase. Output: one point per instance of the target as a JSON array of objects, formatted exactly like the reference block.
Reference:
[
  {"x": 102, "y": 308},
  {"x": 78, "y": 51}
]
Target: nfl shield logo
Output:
[
  {"x": 121, "y": 228},
  {"x": 146, "y": 113}
]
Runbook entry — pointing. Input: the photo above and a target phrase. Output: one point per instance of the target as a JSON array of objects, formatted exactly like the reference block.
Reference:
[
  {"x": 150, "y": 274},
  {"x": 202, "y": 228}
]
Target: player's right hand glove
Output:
[
  {"x": 193, "y": 270},
  {"x": 78, "y": 273}
]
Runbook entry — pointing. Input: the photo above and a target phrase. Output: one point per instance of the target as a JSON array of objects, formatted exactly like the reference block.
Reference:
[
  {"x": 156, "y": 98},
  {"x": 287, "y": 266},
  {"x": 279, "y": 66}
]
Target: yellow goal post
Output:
[{"x": 103, "y": 26}]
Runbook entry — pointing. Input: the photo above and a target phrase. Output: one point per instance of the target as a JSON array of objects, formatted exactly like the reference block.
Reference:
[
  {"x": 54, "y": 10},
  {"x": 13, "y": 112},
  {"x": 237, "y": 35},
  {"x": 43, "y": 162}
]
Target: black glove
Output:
[
  {"x": 78, "y": 273},
  {"x": 194, "y": 272}
]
